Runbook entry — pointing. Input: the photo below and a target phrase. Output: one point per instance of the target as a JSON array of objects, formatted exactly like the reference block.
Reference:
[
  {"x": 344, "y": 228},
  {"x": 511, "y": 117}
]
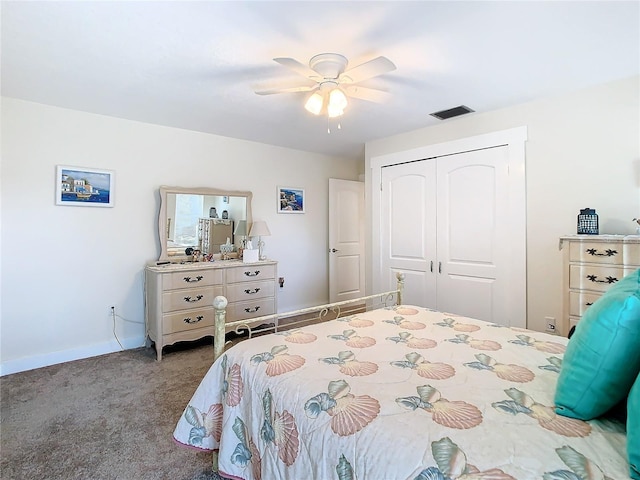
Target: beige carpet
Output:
[{"x": 108, "y": 417}]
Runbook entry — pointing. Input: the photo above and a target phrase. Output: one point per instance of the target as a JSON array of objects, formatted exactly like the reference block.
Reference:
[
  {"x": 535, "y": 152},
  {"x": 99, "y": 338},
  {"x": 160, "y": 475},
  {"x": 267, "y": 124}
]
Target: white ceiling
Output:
[{"x": 195, "y": 65}]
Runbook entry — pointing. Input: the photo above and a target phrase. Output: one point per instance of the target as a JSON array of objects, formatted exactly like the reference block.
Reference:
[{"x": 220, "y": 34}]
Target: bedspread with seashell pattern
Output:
[{"x": 397, "y": 393}]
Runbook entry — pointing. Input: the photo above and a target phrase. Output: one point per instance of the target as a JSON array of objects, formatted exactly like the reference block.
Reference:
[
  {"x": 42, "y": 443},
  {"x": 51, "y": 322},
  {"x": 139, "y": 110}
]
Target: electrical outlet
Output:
[{"x": 551, "y": 324}]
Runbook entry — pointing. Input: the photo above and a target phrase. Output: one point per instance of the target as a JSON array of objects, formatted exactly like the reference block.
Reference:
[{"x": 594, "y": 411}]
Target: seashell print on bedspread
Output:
[{"x": 434, "y": 395}]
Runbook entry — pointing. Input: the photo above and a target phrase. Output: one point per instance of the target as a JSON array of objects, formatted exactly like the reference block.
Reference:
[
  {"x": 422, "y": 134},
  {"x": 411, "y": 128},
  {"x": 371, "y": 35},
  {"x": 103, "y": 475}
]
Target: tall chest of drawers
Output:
[
  {"x": 592, "y": 263},
  {"x": 179, "y": 298}
]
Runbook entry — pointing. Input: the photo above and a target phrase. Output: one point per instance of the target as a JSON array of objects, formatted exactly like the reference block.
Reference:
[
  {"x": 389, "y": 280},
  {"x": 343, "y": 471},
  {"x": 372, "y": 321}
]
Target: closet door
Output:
[
  {"x": 473, "y": 246},
  {"x": 408, "y": 235},
  {"x": 444, "y": 223}
]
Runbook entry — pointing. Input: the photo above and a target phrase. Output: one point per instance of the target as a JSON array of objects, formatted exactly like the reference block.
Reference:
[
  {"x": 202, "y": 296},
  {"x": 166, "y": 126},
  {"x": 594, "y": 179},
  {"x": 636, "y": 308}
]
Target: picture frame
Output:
[
  {"x": 84, "y": 187},
  {"x": 291, "y": 200}
]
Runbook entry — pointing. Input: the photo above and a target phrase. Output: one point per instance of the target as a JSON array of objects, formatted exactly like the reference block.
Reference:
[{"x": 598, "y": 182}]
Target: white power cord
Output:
[{"x": 113, "y": 316}]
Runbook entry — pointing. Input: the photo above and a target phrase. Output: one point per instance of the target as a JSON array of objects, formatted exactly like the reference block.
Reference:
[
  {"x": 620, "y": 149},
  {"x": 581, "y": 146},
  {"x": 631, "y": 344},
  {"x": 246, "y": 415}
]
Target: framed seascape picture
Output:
[
  {"x": 290, "y": 200},
  {"x": 81, "y": 186}
]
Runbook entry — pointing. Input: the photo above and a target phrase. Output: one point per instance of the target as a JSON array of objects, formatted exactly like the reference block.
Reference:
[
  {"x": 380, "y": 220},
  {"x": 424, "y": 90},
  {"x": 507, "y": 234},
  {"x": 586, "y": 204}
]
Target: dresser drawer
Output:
[
  {"x": 238, "y": 292},
  {"x": 632, "y": 254},
  {"x": 187, "y": 299},
  {"x": 580, "y": 301},
  {"x": 250, "y": 273},
  {"x": 188, "y": 320},
  {"x": 593, "y": 277},
  {"x": 192, "y": 278},
  {"x": 251, "y": 309},
  {"x": 605, "y": 253},
  {"x": 573, "y": 321}
]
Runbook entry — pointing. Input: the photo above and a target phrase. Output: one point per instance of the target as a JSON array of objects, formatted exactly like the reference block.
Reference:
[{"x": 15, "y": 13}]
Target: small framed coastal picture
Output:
[
  {"x": 291, "y": 200},
  {"x": 86, "y": 187}
]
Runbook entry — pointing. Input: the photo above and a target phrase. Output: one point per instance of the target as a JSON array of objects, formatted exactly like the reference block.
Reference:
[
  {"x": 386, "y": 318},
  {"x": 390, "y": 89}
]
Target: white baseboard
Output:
[{"x": 38, "y": 361}]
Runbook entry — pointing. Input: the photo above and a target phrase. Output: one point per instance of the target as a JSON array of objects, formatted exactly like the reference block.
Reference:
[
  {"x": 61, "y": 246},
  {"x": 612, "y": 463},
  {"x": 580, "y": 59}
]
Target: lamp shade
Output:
[
  {"x": 259, "y": 229},
  {"x": 314, "y": 103},
  {"x": 338, "y": 99},
  {"x": 241, "y": 228}
]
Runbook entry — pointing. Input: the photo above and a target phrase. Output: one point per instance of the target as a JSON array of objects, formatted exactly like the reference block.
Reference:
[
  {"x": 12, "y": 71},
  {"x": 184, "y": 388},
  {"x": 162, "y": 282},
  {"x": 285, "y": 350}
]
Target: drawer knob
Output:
[
  {"x": 193, "y": 300},
  {"x": 191, "y": 320},
  {"x": 607, "y": 253},
  {"x": 248, "y": 291},
  {"x": 252, "y": 274},
  {"x": 594, "y": 279},
  {"x": 193, "y": 280},
  {"x": 252, "y": 310}
]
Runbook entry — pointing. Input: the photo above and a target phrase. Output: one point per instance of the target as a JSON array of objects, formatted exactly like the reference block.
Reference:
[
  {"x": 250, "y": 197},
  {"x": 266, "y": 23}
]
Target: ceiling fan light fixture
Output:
[
  {"x": 333, "y": 111},
  {"x": 337, "y": 99},
  {"x": 336, "y": 102},
  {"x": 314, "y": 103}
]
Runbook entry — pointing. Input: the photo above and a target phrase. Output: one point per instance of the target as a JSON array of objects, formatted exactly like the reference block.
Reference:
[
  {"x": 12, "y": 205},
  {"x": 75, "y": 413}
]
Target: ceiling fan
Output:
[{"x": 333, "y": 83}]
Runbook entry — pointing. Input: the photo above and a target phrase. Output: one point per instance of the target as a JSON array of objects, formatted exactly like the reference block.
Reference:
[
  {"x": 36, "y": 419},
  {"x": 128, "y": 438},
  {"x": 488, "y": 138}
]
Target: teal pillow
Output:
[
  {"x": 633, "y": 430},
  {"x": 603, "y": 356}
]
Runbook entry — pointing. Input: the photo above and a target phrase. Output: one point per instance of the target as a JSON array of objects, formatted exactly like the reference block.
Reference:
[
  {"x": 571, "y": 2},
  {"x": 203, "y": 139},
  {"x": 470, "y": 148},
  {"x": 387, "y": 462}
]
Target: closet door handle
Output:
[
  {"x": 439, "y": 267},
  {"x": 431, "y": 266}
]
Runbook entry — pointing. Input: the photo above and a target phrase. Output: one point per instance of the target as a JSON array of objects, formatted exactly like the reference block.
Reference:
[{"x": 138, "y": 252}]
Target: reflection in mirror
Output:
[{"x": 201, "y": 218}]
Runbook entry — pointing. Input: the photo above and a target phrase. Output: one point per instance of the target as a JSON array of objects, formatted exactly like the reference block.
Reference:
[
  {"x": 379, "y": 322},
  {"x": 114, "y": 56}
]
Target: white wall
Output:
[
  {"x": 63, "y": 266},
  {"x": 583, "y": 150}
]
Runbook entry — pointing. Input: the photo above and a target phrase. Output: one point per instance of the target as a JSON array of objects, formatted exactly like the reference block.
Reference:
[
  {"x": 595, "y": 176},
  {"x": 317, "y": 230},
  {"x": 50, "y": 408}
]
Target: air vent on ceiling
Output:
[{"x": 452, "y": 112}]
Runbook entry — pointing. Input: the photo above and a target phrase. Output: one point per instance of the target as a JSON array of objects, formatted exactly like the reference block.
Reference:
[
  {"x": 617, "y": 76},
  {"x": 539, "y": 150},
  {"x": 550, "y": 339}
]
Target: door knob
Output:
[{"x": 333, "y": 250}]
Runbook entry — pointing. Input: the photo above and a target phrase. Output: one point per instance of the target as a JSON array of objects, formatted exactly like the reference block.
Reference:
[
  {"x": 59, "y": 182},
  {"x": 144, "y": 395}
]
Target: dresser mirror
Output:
[{"x": 199, "y": 219}]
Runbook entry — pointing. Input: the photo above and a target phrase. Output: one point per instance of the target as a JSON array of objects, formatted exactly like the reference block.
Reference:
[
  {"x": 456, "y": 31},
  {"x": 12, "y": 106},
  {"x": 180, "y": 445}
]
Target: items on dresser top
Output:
[
  {"x": 179, "y": 297},
  {"x": 592, "y": 264},
  {"x": 588, "y": 222}
]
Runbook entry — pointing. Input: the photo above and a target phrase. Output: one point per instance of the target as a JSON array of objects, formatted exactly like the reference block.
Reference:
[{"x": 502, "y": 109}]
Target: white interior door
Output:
[
  {"x": 346, "y": 240},
  {"x": 473, "y": 245},
  {"x": 408, "y": 224}
]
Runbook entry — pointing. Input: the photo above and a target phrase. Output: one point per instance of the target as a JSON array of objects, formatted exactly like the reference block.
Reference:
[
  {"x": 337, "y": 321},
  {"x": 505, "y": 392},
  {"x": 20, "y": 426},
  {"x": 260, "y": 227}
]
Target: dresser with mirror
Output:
[{"x": 195, "y": 227}]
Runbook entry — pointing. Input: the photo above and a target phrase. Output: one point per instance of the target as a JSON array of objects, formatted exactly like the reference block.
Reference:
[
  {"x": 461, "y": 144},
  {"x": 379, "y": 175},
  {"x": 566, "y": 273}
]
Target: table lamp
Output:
[{"x": 259, "y": 229}]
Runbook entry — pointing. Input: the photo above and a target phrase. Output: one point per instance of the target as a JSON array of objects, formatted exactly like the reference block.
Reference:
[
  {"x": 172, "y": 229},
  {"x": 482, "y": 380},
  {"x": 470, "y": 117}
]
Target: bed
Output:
[{"x": 397, "y": 392}]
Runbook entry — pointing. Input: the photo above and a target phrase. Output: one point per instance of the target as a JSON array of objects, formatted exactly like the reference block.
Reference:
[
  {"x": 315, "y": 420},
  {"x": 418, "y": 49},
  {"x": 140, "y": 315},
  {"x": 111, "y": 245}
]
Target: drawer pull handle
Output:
[
  {"x": 190, "y": 320},
  {"x": 252, "y": 310},
  {"x": 193, "y": 300},
  {"x": 594, "y": 279},
  {"x": 249, "y": 292},
  {"x": 193, "y": 280},
  {"x": 252, "y": 274},
  {"x": 607, "y": 253}
]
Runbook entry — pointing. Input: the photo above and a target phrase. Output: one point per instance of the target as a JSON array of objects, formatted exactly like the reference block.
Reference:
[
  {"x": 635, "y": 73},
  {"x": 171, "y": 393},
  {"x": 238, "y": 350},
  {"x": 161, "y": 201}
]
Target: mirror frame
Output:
[{"x": 162, "y": 215}]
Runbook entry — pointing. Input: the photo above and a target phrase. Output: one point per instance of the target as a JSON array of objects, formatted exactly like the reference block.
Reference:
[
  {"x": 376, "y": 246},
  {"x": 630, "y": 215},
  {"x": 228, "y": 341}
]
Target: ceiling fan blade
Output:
[
  {"x": 367, "y": 70},
  {"x": 368, "y": 94},
  {"x": 298, "y": 67},
  {"x": 300, "y": 88}
]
